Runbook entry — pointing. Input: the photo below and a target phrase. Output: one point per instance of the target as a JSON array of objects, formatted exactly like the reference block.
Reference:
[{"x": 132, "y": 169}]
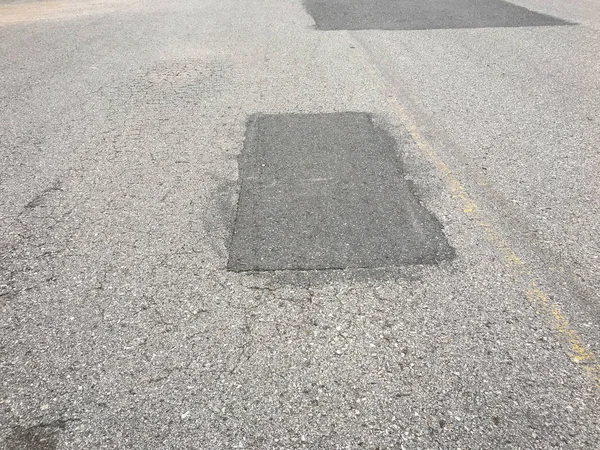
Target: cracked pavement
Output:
[{"x": 120, "y": 325}]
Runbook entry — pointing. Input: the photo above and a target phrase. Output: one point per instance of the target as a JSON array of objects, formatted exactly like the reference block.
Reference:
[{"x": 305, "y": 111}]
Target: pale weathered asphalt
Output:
[{"x": 121, "y": 124}]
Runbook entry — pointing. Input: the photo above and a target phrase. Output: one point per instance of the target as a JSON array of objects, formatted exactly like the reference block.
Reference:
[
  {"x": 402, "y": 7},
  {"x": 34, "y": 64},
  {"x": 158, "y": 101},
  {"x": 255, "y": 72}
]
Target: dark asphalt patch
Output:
[
  {"x": 422, "y": 14},
  {"x": 327, "y": 191},
  {"x": 37, "y": 437}
]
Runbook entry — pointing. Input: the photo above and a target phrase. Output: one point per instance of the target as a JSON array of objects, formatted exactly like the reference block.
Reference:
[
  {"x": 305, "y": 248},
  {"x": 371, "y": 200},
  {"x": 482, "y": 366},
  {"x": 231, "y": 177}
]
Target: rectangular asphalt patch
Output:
[
  {"x": 422, "y": 14},
  {"x": 327, "y": 191}
]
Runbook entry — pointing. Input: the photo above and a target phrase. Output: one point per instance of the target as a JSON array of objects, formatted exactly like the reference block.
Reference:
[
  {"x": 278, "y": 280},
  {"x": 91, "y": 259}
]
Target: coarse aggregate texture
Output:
[{"x": 120, "y": 325}]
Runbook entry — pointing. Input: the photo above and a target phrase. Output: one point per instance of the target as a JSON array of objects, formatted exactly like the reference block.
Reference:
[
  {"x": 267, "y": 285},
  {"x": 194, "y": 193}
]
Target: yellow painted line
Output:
[
  {"x": 579, "y": 352},
  {"x": 509, "y": 256}
]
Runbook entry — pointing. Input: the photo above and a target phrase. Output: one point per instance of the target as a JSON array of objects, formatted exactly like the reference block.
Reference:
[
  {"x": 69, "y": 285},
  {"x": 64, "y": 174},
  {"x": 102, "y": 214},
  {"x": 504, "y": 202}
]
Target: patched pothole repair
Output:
[
  {"x": 422, "y": 14},
  {"x": 327, "y": 191},
  {"x": 38, "y": 437}
]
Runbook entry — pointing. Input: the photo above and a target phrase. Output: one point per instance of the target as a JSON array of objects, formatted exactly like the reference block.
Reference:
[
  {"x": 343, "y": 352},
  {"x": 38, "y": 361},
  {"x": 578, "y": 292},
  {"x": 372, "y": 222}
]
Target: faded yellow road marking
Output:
[{"x": 579, "y": 352}]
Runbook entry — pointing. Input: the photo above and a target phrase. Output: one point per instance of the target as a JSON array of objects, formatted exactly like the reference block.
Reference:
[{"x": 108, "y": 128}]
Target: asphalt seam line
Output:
[{"x": 580, "y": 354}]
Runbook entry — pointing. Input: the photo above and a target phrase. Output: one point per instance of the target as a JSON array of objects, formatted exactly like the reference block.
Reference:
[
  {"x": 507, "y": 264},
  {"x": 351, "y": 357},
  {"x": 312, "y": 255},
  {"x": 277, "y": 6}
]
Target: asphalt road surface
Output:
[{"x": 168, "y": 167}]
